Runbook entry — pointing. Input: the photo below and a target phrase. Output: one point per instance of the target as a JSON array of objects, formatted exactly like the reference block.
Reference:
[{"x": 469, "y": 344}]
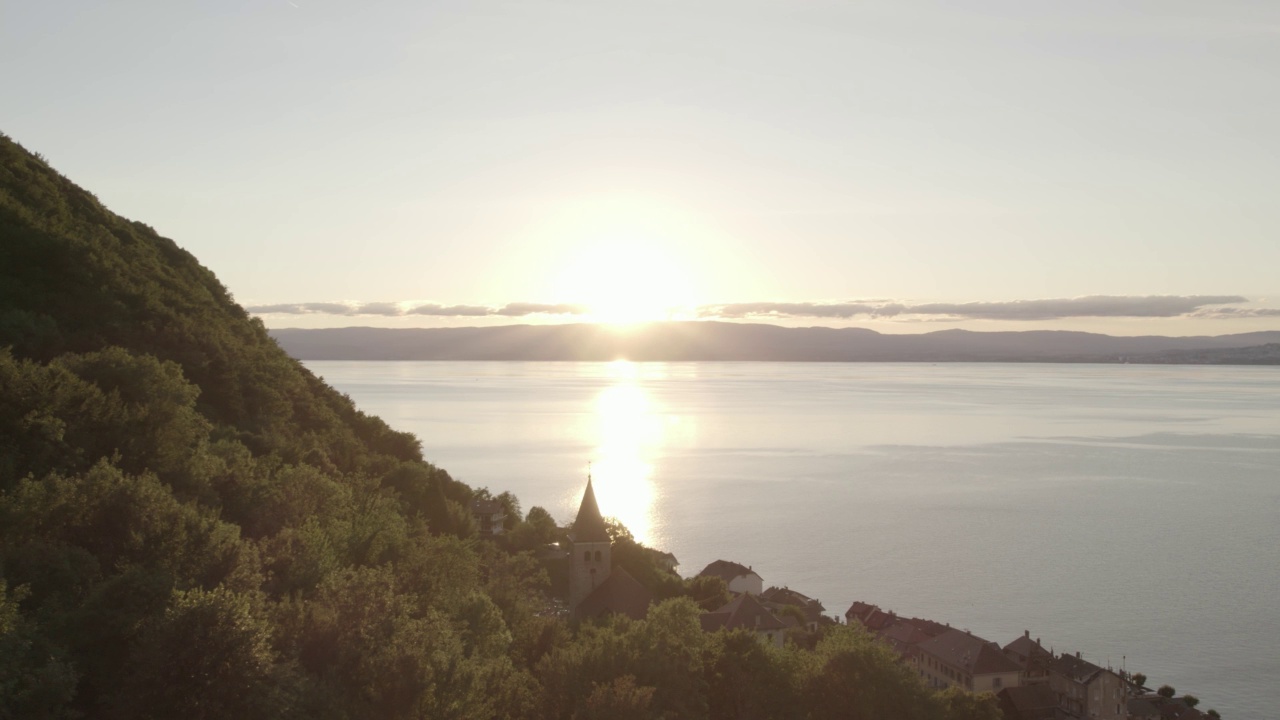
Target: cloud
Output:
[
  {"x": 397, "y": 309},
  {"x": 450, "y": 310},
  {"x": 305, "y": 309},
  {"x": 1151, "y": 306},
  {"x": 803, "y": 309},
  {"x": 1235, "y": 312},
  {"x": 1092, "y": 306},
  {"x": 522, "y": 309}
]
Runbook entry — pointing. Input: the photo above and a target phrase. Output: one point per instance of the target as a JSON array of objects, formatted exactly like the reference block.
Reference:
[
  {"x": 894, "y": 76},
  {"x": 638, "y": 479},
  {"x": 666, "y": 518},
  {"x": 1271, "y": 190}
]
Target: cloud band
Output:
[{"x": 1092, "y": 306}]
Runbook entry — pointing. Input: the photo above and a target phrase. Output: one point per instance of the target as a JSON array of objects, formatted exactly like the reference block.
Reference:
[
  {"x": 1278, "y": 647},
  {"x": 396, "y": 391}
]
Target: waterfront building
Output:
[{"x": 962, "y": 659}]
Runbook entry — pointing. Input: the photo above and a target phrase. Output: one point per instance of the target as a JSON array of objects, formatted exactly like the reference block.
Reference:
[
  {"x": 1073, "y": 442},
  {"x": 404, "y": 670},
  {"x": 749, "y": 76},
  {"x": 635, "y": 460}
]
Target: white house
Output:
[{"x": 739, "y": 578}]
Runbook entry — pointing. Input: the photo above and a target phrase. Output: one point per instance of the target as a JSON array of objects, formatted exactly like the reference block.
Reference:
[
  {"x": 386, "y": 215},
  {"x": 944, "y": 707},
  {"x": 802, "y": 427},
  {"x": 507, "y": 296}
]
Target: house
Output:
[
  {"x": 739, "y": 578},
  {"x": 1030, "y": 702},
  {"x": 905, "y": 638},
  {"x": 1031, "y": 657},
  {"x": 965, "y": 660},
  {"x": 745, "y": 611},
  {"x": 1087, "y": 690},
  {"x": 857, "y": 611},
  {"x": 776, "y": 598},
  {"x": 870, "y": 617},
  {"x": 489, "y": 516},
  {"x": 877, "y": 621},
  {"x": 666, "y": 560}
]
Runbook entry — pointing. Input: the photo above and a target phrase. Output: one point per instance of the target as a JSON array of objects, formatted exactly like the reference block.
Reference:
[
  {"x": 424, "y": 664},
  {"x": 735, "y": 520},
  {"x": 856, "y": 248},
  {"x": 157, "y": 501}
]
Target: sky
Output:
[{"x": 904, "y": 166}]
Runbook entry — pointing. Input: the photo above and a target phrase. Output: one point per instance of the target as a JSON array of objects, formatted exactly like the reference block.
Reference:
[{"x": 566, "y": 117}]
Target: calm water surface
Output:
[{"x": 1128, "y": 512}]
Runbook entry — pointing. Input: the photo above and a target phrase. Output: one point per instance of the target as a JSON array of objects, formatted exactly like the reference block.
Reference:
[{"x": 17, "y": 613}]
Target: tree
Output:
[
  {"x": 1138, "y": 680},
  {"x": 209, "y": 656},
  {"x": 709, "y": 591},
  {"x": 1166, "y": 691},
  {"x": 1213, "y": 714},
  {"x": 963, "y": 705},
  {"x": 34, "y": 681},
  {"x": 856, "y": 677},
  {"x": 511, "y": 510},
  {"x": 1191, "y": 700},
  {"x": 748, "y": 680},
  {"x": 621, "y": 699}
]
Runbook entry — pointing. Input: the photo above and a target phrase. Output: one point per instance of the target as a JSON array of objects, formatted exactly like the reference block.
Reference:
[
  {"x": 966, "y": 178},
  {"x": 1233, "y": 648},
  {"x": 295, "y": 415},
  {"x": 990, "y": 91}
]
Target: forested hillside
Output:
[{"x": 192, "y": 525}]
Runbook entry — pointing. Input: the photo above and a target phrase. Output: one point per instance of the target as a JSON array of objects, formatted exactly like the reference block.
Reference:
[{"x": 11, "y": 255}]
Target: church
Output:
[{"x": 596, "y": 587}]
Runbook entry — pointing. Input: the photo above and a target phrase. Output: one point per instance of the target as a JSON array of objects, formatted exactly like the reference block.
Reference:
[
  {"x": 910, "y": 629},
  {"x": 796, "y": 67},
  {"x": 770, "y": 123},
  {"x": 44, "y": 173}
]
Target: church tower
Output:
[{"x": 589, "y": 561}]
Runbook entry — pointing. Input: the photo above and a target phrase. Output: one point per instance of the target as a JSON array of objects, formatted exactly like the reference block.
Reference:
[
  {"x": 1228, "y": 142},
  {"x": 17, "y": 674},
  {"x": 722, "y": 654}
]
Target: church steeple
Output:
[
  {"x": 589, "y": 527},
  {"x": 590, "y": 559}
]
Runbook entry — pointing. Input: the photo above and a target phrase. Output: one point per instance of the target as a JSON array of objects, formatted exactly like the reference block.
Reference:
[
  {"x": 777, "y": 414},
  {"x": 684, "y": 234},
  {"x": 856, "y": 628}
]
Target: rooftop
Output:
[
  {"x": 1071, "y": 666},
  {"x": 969, "y": 652},
  {"x": 727, "y": 570},
  {"x": 743, "y": 611}
]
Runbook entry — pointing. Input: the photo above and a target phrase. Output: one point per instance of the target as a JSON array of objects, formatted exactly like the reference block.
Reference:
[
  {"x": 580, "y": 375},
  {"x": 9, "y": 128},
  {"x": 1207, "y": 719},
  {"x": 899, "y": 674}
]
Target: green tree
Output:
[
  {"x": 621, "y": 699},
  {"x": 963, "y": 705},
  {"x": 209, "y": 656},
  {"x": 856, "y": 677},
  {"x": 1166, "y": 691},
  {"x": 35, "y": 679},
  {"x": 748, "y": 680},
  {"x": 709, "y": 591},
  {"x": 673, "y": 657}
]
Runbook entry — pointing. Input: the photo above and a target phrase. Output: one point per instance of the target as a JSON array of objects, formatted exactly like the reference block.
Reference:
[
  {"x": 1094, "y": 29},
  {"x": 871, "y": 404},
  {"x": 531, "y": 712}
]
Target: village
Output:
[{"x": 1029, "y": 681}]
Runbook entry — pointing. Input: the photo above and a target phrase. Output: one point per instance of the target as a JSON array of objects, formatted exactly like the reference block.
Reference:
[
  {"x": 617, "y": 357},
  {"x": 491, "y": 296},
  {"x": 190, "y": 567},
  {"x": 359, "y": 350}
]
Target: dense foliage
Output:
[{"x": 193, "y": 525}]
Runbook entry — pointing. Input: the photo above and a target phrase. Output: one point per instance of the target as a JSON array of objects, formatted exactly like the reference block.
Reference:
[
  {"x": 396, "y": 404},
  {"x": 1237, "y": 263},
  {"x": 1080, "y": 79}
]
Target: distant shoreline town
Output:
[
  {"x": 1029, "y": 681},
  {"x": 723, "y": 341}
]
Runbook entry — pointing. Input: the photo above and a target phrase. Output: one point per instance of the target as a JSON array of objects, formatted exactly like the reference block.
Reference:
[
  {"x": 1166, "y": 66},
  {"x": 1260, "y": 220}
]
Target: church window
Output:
[
  {"x": 597, "y": 556},
  {"x": 586, "y": 555}
]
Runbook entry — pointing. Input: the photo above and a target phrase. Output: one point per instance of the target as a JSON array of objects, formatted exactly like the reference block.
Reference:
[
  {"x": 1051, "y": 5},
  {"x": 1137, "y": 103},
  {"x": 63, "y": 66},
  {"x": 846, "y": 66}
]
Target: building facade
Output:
[
  {"x": 1087, "y": 690},
  {"x": 961, "y": 659}
]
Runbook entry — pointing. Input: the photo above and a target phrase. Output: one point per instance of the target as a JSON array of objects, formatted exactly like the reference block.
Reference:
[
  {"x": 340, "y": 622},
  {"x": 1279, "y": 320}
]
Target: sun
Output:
[{"x": 626, "y": 279}]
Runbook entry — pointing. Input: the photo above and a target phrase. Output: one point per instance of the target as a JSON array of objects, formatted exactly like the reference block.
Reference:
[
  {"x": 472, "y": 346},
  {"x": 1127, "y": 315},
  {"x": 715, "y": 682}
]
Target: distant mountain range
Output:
[{"x": 683, "y": 341}]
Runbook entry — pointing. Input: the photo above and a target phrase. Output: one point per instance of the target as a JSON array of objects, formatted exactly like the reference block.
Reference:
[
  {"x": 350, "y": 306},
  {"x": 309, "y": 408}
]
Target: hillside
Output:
[
  {"x": 193, "y": 526},
  {"x": 684, "y": 341}
]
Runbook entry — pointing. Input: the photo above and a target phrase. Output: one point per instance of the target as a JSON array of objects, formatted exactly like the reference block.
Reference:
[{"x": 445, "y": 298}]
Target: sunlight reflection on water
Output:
[{"x": 628, "y": 434}]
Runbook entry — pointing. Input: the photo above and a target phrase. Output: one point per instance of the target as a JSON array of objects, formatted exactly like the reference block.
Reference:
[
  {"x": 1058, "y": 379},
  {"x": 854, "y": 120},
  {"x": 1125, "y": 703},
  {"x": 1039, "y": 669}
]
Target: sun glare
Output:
[
  {"x": 625, "y": 279},
  {"x": 626, "y": 259}
]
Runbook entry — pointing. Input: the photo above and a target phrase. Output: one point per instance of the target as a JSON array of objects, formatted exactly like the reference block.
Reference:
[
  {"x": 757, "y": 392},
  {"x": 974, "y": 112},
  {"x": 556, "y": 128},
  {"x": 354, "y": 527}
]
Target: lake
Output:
[{"x": 1128, "y": 512}]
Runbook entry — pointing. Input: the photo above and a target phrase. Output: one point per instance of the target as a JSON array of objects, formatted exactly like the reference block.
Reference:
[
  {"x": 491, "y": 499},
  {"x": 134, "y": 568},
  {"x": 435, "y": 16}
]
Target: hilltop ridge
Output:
[{"x": 723, "y": 341}]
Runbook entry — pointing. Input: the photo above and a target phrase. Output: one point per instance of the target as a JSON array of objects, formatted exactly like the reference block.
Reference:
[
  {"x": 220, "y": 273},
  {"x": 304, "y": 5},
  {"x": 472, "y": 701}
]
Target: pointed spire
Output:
[{"x": 589, "y": 527}]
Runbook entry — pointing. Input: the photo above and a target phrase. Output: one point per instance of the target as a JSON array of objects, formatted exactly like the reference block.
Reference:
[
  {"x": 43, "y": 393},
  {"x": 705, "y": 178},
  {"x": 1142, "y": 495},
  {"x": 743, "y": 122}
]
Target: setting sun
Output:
[{"x": 627, "y": 279}]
